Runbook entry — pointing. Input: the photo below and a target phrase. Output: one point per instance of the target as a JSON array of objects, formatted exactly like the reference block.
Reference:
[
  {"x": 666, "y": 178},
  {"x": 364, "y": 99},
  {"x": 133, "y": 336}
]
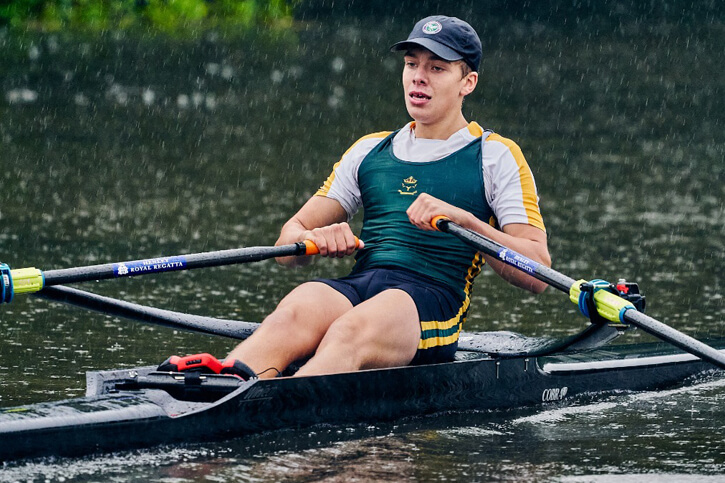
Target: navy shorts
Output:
[{"x": 440, "y": 310}]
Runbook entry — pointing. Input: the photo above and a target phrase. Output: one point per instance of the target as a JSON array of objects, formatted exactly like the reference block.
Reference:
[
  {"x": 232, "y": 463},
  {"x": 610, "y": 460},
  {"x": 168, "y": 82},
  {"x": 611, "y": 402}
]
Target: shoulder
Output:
[
  {"x": 342, "y": 184},
  {"x": 367, "y": 142},
  {"x": 500, "y": 145},
  {"x": 502, "y": 157},
  {"x": 509, "y": 183}
]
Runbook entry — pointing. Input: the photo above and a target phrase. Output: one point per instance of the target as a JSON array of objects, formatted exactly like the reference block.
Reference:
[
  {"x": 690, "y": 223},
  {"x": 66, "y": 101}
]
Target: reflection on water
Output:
[{"x": 123, "y": 148}]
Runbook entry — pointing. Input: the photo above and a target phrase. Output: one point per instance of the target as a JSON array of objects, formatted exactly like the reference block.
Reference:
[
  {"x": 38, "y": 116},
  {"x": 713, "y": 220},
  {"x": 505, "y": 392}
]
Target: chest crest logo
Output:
[{"x": 410, "y": 186}]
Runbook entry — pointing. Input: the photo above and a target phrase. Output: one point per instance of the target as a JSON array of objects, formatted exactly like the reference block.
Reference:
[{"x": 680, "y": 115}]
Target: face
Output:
[{"x": 434, "y": 88}]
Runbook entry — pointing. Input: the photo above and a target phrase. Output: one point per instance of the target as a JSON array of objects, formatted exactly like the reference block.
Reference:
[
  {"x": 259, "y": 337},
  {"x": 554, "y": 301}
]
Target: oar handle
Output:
[
  {"x": 440, "y": 222},
  {"x": 311, "y": 248}
]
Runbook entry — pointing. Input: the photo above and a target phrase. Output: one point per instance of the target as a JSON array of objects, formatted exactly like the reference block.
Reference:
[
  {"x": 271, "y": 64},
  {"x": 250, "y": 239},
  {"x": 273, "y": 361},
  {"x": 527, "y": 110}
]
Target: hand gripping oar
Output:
[
  {"x": 609, "y": 306},
  {"x": 31, "y": 280}
]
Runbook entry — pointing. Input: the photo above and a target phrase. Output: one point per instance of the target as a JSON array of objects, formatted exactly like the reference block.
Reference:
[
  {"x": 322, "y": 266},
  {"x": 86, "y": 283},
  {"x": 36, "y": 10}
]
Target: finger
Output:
[
  {"x": 331, "y": 239},
  {"x": 413, "y": 212},
  {"x": 417, "y": 215},
  {"x": 344, "y": 239},
  {"x": 350, "y": 242},
  {"x": 319, "y": 239}
]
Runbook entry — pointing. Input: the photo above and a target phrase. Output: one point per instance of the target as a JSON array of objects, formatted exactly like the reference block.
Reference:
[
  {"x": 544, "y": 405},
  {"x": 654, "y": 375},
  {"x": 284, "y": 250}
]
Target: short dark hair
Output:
[{"x": 465, "y": 68}]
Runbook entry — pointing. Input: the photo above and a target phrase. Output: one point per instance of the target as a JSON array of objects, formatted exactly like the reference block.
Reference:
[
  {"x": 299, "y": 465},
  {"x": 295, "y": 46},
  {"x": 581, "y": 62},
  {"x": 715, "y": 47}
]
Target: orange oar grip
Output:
[
  {"x": 311, "y": 248},
  {"x": 436, "y": 219}
]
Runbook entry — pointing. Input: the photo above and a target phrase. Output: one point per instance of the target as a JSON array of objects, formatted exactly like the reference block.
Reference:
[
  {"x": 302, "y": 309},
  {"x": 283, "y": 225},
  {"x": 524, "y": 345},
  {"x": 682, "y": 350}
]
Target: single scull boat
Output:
[
  {"x": 141, "y": 407},
  {"x": 132, "y": 408}
]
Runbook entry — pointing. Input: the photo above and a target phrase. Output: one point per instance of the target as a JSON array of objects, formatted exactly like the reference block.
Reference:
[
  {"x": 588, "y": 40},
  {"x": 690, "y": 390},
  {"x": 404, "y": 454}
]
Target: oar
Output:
[
  {"x": 501, "y": 344},
  {"x": 610, "y": 306},
  {"x": 31, "y": 280},
  {"x": 176, "y": 320}
]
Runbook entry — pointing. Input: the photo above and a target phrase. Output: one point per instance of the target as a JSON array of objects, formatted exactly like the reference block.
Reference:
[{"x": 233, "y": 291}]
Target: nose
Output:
[{"x": 420, "y": 78}]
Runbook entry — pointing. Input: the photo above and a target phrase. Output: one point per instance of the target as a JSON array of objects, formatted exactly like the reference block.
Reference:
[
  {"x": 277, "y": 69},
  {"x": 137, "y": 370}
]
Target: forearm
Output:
[
  {"x": 322, "y": 221},
  {"x": 292, "y": 232},
  {"x": 534, "y": 248}
]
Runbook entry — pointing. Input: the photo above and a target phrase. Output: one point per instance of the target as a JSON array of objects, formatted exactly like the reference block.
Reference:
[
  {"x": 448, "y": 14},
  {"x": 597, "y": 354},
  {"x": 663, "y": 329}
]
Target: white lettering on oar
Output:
[
  {"x": 149, "y": 266},
  {"x": 517, "y": 260}
]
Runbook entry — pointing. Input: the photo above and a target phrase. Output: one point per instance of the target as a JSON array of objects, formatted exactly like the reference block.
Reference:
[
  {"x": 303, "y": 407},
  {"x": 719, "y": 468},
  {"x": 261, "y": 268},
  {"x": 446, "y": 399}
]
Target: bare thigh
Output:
[
  {"x": 383, "y": 331},
  {"x": 295, "y": 328}
]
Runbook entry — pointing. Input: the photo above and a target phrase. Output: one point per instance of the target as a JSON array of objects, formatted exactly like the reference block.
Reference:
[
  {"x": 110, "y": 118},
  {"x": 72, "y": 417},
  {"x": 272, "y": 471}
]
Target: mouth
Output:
[{"x": 418, "y": 96}]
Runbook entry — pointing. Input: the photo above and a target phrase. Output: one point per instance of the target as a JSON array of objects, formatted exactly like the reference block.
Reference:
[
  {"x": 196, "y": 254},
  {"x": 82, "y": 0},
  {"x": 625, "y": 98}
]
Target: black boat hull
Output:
[{"x": 109, "y": 419}]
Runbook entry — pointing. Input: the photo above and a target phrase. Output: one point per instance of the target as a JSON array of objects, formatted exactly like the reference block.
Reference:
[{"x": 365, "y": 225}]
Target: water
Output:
[{"x": 123, "y": 147}]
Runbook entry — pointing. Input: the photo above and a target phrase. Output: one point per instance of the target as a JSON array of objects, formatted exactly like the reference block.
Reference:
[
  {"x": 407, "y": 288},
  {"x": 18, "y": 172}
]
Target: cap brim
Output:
[{"x": 445, "y": 53}]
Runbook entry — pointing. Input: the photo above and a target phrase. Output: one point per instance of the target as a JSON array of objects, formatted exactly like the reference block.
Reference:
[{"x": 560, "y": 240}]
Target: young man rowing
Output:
[{"x": 409, "y": 291}]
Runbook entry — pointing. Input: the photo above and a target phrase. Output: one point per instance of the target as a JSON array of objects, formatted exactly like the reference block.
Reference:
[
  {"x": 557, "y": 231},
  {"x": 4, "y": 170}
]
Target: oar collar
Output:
[{"x": 6, "y": 284}]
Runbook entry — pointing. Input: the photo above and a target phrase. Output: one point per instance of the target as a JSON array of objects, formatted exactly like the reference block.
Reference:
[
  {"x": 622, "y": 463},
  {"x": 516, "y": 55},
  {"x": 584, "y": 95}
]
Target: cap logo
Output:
[{"x": 432, "y": 27}]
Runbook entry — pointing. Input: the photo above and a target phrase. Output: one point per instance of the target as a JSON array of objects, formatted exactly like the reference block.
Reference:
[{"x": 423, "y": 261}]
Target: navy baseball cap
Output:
[{"x": 449, "y": 38}]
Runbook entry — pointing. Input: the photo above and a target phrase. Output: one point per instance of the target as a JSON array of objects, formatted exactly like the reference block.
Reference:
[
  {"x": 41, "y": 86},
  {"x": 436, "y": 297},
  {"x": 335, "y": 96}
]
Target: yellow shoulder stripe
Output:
[
  {"x": 325, "y": 188},
  {"x": 528, "y": 189},
  {"x": 475, "y": 129}
]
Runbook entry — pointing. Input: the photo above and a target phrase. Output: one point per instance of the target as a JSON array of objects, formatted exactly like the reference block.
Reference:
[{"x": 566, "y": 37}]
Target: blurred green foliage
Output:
[{"x": 170, "y": 16}]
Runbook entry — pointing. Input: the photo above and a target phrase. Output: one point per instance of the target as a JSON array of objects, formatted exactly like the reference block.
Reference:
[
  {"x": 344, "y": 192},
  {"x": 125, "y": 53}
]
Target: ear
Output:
[{"x": 469, "y": 83}]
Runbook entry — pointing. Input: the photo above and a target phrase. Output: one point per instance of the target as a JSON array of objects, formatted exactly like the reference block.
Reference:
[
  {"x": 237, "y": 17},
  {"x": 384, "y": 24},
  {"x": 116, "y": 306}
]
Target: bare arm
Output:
[
  {"x": 525, "y": 239},
  {"x": 322, "y": 220}
]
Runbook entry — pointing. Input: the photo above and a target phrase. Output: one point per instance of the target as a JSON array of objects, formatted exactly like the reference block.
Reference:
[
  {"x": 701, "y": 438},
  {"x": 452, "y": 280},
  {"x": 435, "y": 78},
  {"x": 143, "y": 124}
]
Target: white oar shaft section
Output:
[{"x": 609, "y": 306}]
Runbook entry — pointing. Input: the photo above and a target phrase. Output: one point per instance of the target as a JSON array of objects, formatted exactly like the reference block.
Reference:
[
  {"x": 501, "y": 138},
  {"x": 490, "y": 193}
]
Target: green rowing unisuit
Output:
[{"x": 389, "y": 185}]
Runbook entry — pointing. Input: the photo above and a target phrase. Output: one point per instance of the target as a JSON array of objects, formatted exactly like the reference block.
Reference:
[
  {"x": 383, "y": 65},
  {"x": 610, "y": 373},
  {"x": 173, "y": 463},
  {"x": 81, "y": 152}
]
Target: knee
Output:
[
  {"x": 364, "y": 345},
  {"x": 344, "y": 331},
  {"x": 346, "y": 337},
  {"x": 285, "y": 320},
  {"x": 288, "y": 323}
]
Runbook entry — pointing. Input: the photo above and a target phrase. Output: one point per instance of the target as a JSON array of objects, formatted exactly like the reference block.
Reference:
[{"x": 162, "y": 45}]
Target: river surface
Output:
[{"x": 125, "y": 147}]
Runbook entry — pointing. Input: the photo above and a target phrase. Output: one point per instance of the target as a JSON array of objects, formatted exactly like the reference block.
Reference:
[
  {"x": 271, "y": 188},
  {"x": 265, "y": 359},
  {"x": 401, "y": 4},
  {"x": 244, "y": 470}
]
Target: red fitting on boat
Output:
[
  {"x": 237, "y": 368},
  {"x": 204, "y": 363}
]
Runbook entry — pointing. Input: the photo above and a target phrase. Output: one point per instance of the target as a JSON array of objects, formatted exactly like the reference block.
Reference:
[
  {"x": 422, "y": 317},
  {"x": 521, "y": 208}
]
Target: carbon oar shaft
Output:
[
  {"x": 608, "y": 305},
  {"x": 168, "y": 264},
  {"x": 167, "y": 318},
  {"x": 31, "y": 280},
  {"x": 506, "y": 255},
  {"x": 675, "y": 337}
]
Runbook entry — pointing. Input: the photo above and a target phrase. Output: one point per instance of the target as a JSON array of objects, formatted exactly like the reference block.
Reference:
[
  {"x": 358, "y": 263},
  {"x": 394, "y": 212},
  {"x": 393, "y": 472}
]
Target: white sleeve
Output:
[
  {"x": 509, "y": 183},
  {"x": 342, "y": 184}
]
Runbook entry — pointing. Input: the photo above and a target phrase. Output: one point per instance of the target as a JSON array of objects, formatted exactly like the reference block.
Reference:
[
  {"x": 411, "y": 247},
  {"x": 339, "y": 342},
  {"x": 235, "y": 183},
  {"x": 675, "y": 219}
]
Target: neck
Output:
[{"x": 440, "y": 130}]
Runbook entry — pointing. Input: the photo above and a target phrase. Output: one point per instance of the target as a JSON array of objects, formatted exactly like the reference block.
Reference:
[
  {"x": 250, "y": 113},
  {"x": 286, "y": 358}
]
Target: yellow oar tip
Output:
[{"x": 27, "y": 280}]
